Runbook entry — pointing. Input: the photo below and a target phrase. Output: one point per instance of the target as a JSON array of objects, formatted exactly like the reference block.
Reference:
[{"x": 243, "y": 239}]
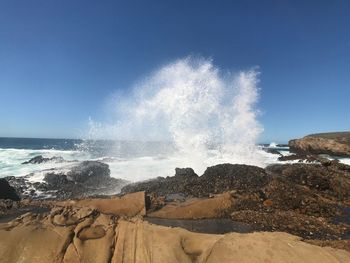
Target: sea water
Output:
[{"x": 188, "y": 113}]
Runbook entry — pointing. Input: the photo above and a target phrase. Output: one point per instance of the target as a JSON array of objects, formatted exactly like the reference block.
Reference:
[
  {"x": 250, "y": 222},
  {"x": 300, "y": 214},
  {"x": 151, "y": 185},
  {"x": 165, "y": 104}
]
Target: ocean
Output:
[{"x": 129, "y": 160}]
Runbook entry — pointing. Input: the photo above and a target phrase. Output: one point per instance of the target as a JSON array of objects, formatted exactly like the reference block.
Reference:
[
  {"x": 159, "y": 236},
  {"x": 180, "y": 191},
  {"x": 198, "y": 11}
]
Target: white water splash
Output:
[{"x": 209, "y": 117}]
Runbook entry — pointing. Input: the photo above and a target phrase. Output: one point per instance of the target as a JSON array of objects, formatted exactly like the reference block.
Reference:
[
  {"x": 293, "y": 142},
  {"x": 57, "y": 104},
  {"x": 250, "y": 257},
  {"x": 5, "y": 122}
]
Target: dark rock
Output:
[
  {"x": 291, "y": 222},
  {"x": 89, "y": 172},
  {"x": 56, "y": 179},
  {"x": 89, "y": 178},
  {"x": 7, "y": 191},
  {"x": 216, "y": 179},
  {"x": 273, "y": 151},
  {"x": 185, "y": 172},
  {"x": 225, "y": 177},
  {"x": 303, "y": 157},
  {"x": 40, "y": 159}
]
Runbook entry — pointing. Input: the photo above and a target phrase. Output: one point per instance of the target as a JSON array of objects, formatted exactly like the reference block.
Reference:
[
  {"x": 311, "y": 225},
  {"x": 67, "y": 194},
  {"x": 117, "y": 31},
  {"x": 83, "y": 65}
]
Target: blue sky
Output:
[{"x": 61, "y": 60}]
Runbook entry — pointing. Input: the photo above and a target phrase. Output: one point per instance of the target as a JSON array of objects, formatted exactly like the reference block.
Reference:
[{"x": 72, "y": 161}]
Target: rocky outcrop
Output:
[
  {"x": 302, "y": 199},
  {"x": 40, "y": 159},
  {"x": 216, "y": 179},
  {"x": 337, "y": 143},
  {"x": 307, "y": 200},
  {"x": 7, "y": 191},
  {"x": 115, "y": 232},
  {"x": 83, "y": 179}
]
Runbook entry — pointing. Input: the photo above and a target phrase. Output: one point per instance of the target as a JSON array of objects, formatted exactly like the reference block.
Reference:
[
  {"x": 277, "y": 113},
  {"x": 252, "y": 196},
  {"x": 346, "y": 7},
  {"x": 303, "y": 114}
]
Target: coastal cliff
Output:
[{"x": 335, "y": 143}]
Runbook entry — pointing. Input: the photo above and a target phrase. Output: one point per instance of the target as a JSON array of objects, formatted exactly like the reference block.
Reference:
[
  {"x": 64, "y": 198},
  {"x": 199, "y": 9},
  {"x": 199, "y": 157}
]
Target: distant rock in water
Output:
[
  {"x": 40, "y": 159},
  {"x": 7, "y": 191},
  {"x": 336, "y": 143},
  {"x": 272, "y": 151},
  {"x": 89, "y": 172},
  {"x": 309, "y": 158},
  {"x": 88, "y": 178}
]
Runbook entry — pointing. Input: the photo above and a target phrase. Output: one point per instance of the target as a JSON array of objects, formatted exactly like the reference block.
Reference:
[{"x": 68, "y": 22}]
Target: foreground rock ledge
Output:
[{"x": 113, "y": 230}]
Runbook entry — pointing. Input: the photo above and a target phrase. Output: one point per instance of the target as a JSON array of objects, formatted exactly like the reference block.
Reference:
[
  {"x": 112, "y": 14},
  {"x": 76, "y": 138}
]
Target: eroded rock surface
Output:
[
  {"x": 303, "y": 199},
  {"x": 337, "y": 143},
  {"x": 72, "y": 232},
  {"x": 40, "y": 159}
]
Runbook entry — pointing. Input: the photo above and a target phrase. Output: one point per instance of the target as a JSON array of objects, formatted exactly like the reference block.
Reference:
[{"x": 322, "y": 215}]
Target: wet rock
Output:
[
  {"x": 56, "y": 179},
  {"x": 40, "y": 159},
  {"x": 84, "y": 179},
  {"x": 310, "y": 158},
  {"x": 7, "y": 191},
  {"x": 216, "y": 179},
  {"x": 273, "y": 151}
]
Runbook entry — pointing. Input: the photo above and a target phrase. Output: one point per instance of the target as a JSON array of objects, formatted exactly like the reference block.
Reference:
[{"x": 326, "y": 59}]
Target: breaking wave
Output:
[{"x": 204, "y": 115}]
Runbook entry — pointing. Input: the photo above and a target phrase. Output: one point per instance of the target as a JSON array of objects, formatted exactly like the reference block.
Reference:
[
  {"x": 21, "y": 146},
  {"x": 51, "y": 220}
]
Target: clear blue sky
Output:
[{"x": 60, "y": 60}]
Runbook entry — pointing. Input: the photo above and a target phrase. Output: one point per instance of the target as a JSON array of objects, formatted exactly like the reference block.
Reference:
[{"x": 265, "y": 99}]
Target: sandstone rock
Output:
[
  {"x": 128, "y": 205},
  {"x": 337, "y": 143},
  {"x": 89, "y": 172},
  {"x": 102, "y": 237},
  {"x": 92, "y": 233}
]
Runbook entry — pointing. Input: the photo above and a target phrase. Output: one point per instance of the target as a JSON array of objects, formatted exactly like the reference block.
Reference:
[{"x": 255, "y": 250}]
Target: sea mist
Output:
[{"x": 200, "y": 115}]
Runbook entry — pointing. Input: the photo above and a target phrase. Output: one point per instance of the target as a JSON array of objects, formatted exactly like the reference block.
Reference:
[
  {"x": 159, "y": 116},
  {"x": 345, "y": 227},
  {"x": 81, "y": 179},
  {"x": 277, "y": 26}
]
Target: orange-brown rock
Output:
[
  {"x": 128, "y": 205},
  {"x": 103, "y": 239},
  {"x": 196, "y": 208},
  {"x": 337, "y": 143}
]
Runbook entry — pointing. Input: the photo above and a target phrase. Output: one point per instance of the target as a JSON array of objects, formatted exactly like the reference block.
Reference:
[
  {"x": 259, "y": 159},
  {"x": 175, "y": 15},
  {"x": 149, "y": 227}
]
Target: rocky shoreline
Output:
[
  {"x": 333, "y": 143},
  {"x": 309, "y": 201}
]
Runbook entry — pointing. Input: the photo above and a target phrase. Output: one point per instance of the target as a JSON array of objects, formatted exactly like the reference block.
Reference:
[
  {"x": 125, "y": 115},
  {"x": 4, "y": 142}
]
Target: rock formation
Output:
[
  {"x": 337, "y": 143},
  {"x": 112, "y": 230},
  {"x": 307, "y": 200},
  {"x": 40, "y": 159},
  {"x": 83, "y": 179},
  {"x": 7, "y": 191}
]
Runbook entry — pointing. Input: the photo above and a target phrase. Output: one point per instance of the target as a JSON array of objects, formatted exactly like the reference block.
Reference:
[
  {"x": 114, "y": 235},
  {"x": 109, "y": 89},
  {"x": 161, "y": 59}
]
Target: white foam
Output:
[
  {"x": 273, "y": 145},
  {"x": 11, "y": 161},
  {"x": 210, "y": 118},
  {"x": 345, "y": 160}
]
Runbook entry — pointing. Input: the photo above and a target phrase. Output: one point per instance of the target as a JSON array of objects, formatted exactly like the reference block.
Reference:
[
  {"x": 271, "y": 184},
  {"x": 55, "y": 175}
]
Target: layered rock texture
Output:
[
  {"x": 337, "y": 143},
  {"x": 231, "y": 213},
  {"x": 112, "y": 230}
]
